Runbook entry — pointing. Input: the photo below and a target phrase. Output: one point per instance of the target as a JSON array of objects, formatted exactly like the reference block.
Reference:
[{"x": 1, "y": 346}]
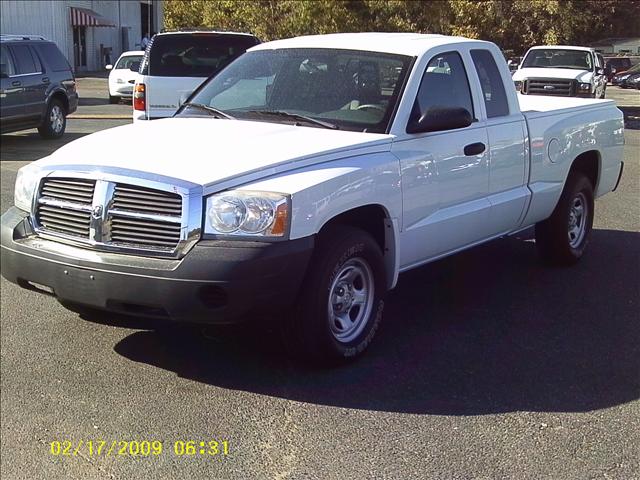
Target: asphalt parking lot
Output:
[{"x": 488, "y": 365}]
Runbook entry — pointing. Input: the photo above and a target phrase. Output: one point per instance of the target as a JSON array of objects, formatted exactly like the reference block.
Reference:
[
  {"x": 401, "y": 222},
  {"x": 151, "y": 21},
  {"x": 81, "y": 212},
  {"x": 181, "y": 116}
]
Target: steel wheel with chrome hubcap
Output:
[
  {"x": 340, "y": 304},
  {"x": 577, "y": 220},
  {"x": 351, "y": 300},
  {"x": 562, "y": 238},
  {"x": 55, "y": 121}
]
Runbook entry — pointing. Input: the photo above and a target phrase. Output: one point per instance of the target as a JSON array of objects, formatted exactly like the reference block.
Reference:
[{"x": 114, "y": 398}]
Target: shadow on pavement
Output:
[
  {"x": 31, "y": 146},
  {"x": 89, "y": 101},
  {"x": 486, "y": 331}
]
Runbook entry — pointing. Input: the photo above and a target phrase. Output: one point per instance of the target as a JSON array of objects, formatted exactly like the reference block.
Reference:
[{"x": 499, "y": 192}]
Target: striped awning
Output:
[{"x": 83, "y": 17}]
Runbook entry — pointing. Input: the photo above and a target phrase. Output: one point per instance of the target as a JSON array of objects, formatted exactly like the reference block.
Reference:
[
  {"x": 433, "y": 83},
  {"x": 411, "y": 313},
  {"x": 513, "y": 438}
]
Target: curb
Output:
[{"x": 99, "y": 117}]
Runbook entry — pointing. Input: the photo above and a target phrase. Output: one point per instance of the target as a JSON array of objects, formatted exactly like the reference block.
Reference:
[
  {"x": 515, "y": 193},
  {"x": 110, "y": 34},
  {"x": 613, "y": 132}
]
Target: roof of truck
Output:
[
  {"x": 561, "y": 47},
  {"x": 398, "y": 43}
]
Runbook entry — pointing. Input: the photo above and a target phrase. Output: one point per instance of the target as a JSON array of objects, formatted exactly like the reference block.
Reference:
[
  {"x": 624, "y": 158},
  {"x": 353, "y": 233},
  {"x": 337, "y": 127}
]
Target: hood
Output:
[
  {"x": 583, "y": 76},
  {"x": 208, "y": 150}
]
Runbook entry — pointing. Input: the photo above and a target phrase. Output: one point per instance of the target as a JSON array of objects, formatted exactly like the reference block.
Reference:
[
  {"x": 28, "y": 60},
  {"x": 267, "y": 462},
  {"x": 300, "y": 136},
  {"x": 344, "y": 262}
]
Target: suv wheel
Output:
[
  {"x": 55, "y": 121},
  {"x": 341, "y": 301},
  {"x": 563, "y": 238},
  {"x": 113, "y": 99}
]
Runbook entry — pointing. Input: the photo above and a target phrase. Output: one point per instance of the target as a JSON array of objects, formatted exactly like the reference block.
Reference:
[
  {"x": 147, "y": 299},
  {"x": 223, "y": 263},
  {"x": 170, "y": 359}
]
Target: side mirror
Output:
[
  {"x": 109, "y": 67},
  {"x": 438, "y": 118},
  {"x": 134, "y": 67},
  {"x": 599, "y": 71}
]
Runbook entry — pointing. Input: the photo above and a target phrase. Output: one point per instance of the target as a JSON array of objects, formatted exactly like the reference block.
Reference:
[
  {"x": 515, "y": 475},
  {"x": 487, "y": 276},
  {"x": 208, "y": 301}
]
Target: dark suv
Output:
[{"x": 37, "y": 86}]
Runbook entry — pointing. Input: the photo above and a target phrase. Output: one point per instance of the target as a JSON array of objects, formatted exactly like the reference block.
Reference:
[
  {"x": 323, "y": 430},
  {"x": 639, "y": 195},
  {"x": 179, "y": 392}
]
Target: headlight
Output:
[
  {"x": 584, "y": 87},
  {"x": 26, "y": 183},
  {"x": 518, "y": 85},
  {"x": 240, "y": 213},
  {"x": 119, "y": 80}
]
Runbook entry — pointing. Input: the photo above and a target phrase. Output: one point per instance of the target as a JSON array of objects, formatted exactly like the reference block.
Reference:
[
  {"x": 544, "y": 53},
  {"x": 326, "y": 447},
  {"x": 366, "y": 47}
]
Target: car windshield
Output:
[
  {"x": 350, "y": 90},
  {"x": 125, "y": 62},
  {"x": 557, "y": 58},
  {"x": 634, "y": 69}
]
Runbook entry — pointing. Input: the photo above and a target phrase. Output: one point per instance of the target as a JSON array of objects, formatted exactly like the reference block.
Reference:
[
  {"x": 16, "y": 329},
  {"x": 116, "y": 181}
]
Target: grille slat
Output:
[
  {"x": 139, "y": 241},
  {"x": 155, "y": 230},
  {"x": 44, "y": 209},
  {"x": 65, "y": 208}
]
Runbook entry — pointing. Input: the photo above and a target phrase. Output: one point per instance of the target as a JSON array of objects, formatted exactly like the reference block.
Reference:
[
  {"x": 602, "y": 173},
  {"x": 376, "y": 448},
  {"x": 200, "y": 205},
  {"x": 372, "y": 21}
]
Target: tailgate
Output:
[{"x": 165, "y": 94}]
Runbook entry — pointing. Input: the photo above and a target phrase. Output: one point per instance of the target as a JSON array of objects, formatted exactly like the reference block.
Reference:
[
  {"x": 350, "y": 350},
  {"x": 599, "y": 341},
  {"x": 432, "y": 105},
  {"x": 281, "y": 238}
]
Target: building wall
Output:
[{"x": 52, "y": 19}]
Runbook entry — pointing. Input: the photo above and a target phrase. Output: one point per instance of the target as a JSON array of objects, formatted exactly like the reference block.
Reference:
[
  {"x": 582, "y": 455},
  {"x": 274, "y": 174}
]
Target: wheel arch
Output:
[
  {"x": 588, "y": 163},
  {"x": 376, "y": 220}
]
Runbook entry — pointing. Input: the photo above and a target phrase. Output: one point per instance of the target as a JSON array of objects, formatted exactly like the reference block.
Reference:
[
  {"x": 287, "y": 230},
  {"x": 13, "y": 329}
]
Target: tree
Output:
[{"x": 512, "y": 24}]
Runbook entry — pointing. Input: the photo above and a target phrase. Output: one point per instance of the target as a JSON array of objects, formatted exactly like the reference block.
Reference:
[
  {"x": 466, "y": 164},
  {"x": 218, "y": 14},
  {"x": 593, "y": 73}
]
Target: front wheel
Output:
[
  {"x": 113, "y": 99},
  {"x": 341, "y": 302},
  {"x": 563, "y": 238},
  {"x": 55, "y": 120}
]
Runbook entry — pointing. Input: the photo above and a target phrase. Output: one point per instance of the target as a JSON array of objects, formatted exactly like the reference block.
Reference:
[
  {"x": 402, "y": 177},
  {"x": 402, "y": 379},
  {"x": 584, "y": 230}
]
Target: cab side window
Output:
[
  {"x": 444, "y": 84},
  {"x": 24, "y": 60},
  {"x": 6, "y": 64},
  {"x": 495, "y": 98}
]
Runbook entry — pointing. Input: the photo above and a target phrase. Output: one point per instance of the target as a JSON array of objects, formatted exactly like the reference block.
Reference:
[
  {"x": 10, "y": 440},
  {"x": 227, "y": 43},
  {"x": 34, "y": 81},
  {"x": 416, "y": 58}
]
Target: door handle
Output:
[
  {"x": 16, "y": 83},
  {"x": 474, "y": 149},
  {"x": 45, "y": 79}
]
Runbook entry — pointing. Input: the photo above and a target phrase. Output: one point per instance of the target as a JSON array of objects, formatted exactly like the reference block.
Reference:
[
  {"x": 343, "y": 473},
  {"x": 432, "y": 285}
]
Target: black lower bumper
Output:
[{"x": 216, "y": 282}]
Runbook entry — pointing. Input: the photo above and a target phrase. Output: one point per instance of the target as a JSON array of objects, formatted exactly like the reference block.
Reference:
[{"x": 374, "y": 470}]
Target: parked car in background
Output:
[
  {"x": 559, "y": 70},
  {"x": 37, "y": 86},
  {"x": 175, "y": 63},
  {"x": 296, "y": 184},
  {"x": 620, "y": 78},
  {"x": 633, "y": 81},
  {"x": 123, "y": 75},
  {"x": 613, "y": 65}
]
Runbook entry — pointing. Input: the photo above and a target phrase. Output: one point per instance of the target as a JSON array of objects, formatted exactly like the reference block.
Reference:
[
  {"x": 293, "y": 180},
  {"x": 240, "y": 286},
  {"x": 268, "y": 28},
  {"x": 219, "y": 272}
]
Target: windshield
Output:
[
  {"x": 351, "y": 90},
  {"x": 125, "y": 62},
  {"x": 556, "y": 58}
]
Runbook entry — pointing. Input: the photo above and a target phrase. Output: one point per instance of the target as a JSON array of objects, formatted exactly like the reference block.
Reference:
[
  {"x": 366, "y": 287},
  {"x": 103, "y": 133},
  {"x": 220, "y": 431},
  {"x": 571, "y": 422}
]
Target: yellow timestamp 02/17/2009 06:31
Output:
[{"x": 139, "y": 448}]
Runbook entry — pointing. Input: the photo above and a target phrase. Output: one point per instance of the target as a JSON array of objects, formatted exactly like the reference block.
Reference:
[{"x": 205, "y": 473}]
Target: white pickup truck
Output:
[
  {"x": 303, "y": 178},
  {"x": 562, "y": 70}
]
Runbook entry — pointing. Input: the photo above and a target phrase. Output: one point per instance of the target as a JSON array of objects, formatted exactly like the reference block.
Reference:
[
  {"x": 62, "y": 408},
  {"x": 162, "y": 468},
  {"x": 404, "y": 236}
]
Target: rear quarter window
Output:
[
  {"x": 52, "y": 57},
  {"x": 193, "y": 55}
]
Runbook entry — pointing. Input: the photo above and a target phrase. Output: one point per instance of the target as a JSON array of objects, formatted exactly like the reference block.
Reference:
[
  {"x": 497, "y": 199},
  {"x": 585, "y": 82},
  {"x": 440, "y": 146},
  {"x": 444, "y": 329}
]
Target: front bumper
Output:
[{"x": 216, "y": 282}]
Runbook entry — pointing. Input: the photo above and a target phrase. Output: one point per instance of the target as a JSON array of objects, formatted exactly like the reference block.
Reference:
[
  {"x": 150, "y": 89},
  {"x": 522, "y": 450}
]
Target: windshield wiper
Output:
[
  {"x": 295, "y": 116},
  {"x": 216, "y": 113}
]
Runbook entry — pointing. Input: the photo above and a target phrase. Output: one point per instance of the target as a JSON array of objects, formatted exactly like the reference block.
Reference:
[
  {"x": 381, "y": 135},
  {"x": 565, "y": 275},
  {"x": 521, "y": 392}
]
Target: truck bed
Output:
[{"x": 534, "y": 106}]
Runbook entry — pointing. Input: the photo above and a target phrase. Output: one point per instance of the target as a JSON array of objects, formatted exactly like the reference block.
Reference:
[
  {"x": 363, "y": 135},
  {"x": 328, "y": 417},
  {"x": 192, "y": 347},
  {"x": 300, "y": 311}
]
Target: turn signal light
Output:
[{"x": 139, "y": 96}]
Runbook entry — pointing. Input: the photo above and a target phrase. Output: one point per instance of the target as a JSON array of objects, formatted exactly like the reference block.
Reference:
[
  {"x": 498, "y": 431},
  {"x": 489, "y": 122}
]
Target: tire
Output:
[
  {"x": 55, "y": 120},
  {"x": 347, "y": 267},
  {"x": 563, "y": 238},
  {"x": 113, "y": 99}
]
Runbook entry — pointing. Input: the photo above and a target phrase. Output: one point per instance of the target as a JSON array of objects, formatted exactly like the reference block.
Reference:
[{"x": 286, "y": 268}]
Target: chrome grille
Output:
[
  {"x": 64, "y": 206},
  {"x": 549, "y": 86},
  {"x": 140, "y": 199},
  {"x": 110, "y": 214},
  {"x": 144, "y": 216}
]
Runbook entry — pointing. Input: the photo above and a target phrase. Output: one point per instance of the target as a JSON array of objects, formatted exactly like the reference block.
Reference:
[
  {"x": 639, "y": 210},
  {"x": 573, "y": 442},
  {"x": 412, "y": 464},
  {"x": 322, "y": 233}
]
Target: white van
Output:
[{"x": 175, "y": 63}]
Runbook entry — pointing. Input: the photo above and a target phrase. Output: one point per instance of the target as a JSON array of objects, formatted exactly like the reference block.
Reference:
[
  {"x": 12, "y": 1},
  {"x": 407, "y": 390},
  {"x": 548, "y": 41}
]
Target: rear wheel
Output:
[
  {"x": 55, "y": 120},
  {"x": 563, "y": 238},
  {"x": 341, "y": 302}
]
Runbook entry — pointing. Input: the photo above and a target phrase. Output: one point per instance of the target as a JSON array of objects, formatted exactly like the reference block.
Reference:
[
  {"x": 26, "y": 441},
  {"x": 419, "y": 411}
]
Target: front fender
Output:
[{"x": 323, "y": 191}]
